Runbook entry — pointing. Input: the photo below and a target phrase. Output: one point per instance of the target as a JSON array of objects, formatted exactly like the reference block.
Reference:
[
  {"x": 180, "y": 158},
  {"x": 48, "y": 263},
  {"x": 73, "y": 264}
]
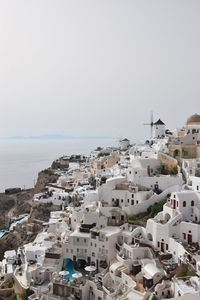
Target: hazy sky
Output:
[{"x": 97, "y": 67}]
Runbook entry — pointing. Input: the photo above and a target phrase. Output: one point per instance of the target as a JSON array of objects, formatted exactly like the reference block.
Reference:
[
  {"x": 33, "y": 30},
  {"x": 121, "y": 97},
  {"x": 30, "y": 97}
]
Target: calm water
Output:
[{"x": 21, "y": 160}]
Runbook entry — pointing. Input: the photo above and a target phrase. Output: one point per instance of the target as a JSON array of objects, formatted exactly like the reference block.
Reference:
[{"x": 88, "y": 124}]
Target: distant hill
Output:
[{"x": 54, "y": 137}]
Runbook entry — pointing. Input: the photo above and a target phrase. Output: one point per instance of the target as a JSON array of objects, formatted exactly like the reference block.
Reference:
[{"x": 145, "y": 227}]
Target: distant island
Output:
[{"x": 54, "y": 137}]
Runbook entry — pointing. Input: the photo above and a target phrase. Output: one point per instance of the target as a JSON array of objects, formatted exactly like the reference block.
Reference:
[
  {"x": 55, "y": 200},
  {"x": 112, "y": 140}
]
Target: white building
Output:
[
  {"x": 124, "y": 144},
  {"x": 146, "y": 172},
  {"x": 159, "y": 129},
  {"x": 176, "y": 227}
]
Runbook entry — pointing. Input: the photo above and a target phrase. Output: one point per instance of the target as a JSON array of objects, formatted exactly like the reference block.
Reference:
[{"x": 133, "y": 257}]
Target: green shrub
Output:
[
  {"x": 174, "y": 171},
  {"x": 151, "y": 212},
  {"x": 184, "y": 271}
]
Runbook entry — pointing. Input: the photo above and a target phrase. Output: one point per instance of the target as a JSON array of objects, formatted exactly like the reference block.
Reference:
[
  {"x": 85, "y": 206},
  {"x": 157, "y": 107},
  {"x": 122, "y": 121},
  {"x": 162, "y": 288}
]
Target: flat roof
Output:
[
  {"x": 77, "y": 233},
  {"x": 186, "y": 288},
  {"x": 109, "y": 230}
]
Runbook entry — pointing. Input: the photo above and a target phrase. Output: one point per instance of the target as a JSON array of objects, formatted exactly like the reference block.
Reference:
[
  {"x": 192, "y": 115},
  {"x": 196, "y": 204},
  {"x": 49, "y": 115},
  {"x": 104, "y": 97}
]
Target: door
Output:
[
  {"x": 162, "y": 247},
  {"x": 189, "y": 239},
  {"x": 174, "y": 204}
]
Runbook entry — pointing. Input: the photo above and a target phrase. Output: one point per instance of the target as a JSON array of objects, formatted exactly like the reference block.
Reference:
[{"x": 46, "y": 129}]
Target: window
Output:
[
  {"x": 158, "y": 244},
  {"x": 132, "y": 202},
  {"x": 132, "y": 195},
  {"x": 184, "y": 236},
  {"x": 184, "y": 203},
  {"x": 197, "y": 187},
  {"x": 128, "y": 200},
  {"x": 192, "y": 203},
  {"x": 166, "y": 246},
  {"x": 177, "y": 203},
  {"x": 77, "y": 239},
  {"x": 77, "y": 250},
  {"x": 93, "y": 254}
]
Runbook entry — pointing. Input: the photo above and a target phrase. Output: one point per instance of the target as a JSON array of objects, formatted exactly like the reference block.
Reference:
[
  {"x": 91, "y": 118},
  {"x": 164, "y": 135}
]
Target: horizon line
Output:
[{"x": 56, "y": 136}]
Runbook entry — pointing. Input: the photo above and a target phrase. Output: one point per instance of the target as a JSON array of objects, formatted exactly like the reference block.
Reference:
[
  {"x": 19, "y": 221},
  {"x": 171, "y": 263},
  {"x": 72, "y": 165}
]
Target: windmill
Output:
[{"x": 151, "y": 123}]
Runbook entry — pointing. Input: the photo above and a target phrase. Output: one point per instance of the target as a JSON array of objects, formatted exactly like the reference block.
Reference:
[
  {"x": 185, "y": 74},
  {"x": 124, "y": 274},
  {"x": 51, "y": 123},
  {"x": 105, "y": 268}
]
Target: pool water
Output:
[
  {"x": 2, "y": 233},
  {"x": 69, "y": 266}
]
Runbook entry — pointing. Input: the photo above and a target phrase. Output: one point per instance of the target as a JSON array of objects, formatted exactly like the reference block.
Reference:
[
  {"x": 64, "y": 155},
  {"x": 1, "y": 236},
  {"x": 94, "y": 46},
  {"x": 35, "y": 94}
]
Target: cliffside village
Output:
[{"x": 106, "y": 240}]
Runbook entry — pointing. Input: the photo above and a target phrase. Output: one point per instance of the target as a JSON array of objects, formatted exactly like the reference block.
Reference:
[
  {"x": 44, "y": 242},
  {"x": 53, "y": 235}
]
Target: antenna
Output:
[{"x": 150, "y": 124}]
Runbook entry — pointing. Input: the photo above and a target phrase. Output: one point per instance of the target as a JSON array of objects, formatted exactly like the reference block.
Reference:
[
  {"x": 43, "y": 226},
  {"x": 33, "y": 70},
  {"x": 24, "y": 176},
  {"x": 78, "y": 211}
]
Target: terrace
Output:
[{"x": 20, "y": 275}]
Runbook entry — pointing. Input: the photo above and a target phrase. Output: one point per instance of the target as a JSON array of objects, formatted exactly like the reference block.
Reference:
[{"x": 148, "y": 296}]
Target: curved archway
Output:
[
  {"x": 167, "y": 217},
  {"x": 149, "y": 237},
  {"x": 176, "y": 153}
]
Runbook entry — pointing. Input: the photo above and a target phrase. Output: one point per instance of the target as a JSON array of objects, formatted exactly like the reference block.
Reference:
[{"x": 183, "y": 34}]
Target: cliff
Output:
[{"x": 45, "y": 177}]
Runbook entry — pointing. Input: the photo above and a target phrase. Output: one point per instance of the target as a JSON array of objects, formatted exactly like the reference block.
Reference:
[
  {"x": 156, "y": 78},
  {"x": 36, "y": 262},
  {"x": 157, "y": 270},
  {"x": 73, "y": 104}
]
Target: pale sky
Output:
[{"x": 97, "y": 67}]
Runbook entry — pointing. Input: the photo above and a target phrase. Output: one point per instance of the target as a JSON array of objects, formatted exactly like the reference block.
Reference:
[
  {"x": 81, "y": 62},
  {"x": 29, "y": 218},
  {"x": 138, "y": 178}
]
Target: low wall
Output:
[{"x": 142, "y": 207}]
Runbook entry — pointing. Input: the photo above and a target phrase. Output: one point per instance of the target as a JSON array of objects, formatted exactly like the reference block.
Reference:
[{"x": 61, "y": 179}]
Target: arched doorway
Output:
[
  {"x": 149, "y": 237},
  {"x": 167, "y": 217},
  {"x": 176, "y": 153}
]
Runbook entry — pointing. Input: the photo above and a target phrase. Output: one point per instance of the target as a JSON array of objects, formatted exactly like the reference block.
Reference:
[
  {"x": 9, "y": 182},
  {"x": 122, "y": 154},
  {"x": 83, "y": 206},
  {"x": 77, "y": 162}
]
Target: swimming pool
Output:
[
  {"x": 69, "y": 266},
  {"x": 2, "y": 233}
]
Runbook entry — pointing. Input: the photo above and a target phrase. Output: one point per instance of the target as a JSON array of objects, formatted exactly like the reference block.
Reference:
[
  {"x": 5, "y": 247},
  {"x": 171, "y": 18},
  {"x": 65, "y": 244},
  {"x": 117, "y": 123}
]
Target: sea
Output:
[{"x": 22, "y": 160}]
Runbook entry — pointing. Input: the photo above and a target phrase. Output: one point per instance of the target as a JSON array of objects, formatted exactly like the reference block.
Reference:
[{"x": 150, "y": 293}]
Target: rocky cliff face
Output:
[
  {"x": 6, "y": 204},
  {"x": 17, "y": 238},
  {"x": 45, "y": 177},
  {"x": 21, "y": 203}
]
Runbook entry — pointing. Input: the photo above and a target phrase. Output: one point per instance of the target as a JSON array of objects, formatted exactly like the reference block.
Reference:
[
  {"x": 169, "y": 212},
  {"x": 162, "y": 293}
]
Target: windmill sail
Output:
[{"x": 151, "y": 124}]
